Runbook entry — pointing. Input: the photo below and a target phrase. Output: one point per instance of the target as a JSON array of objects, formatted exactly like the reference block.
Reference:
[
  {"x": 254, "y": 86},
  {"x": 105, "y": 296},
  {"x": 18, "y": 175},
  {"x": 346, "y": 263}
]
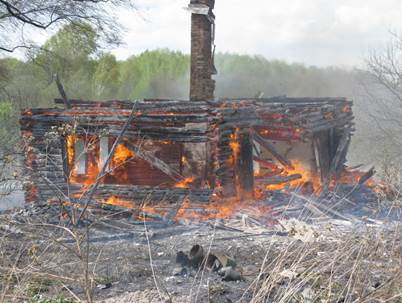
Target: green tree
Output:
[
  {"x": 146, "y": 75},
  {"x": 69, "y": 53},
  {"x": 23, "y": 85},
  {"x": 107, "y": 77}
]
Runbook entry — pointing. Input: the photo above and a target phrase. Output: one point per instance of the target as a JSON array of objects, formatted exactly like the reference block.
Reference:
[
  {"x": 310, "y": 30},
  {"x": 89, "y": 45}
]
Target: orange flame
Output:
[
  {"x": 221, "y": 209},
  {"x": 121, "y": 155},
  {"x": 308, "y": 178},
  {"x": 117, "y": 164},
  {"x": 113, "y": 200},
  {"x": 185, "y": 183},
  {"x": 234, "y": 143},
  {"x": 91, "y": 155},
  {"x": 349, "y": 176}
]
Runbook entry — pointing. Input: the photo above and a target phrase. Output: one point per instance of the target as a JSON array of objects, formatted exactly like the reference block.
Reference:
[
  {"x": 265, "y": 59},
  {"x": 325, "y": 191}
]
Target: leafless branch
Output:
[{"x": 45, "y": 14}]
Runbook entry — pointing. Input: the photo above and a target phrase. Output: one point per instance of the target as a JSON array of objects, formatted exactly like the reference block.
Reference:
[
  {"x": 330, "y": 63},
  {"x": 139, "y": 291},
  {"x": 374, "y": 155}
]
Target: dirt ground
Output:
[{"x": 306, "y": 256}]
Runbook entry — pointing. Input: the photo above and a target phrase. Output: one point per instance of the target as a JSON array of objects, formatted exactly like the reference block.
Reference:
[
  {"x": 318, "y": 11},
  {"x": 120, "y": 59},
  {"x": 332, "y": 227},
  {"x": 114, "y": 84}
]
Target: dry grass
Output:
[
  {"x": 34, "y": 262},
  {"x": 391, "y": 183},
  {"x": 361, "y": 267}
]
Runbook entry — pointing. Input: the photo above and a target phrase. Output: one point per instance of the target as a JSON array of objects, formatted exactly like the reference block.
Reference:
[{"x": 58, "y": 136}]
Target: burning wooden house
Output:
[
  {"x": 161, "y": 150},
  {"x": 128, "y": 152}
]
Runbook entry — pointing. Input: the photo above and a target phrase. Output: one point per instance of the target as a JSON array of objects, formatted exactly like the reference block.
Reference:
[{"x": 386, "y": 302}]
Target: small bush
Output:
[{"x": 9, "y": 132}]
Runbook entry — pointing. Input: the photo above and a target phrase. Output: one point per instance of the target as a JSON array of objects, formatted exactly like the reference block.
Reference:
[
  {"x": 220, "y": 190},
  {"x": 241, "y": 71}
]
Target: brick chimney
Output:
[{"x": 202, "y": 85}]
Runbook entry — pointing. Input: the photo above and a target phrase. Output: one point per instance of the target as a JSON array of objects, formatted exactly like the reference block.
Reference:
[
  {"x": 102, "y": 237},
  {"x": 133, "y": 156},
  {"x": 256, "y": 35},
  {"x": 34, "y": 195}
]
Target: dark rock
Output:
[
  {"x": 196, "y": 256},
  {"x": 182, "y": 259}
]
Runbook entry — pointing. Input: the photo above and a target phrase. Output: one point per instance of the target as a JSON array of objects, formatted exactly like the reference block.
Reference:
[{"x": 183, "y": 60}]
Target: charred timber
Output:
[{"x": 279, "y": 179}]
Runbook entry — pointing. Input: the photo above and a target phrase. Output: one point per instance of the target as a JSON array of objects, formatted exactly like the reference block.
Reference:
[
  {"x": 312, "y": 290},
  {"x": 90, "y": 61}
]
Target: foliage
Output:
[
  {"x": 150, "y": 74},
  {"x": 68, "y": 53},
  {"x": 107, "y": 77},
  {"x": 8, "y": 126},
  {"x": 68, "y": 50}
]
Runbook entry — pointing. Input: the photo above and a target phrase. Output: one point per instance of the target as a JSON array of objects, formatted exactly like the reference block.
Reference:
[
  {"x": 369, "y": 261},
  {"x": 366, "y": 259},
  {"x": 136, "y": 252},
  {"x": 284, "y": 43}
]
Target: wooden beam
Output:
[
  {"x": 271, "y": 149},
  {"x": 364, "y": 178},
  {"x": 62, "y": 92},
  {"x": 153, "y": 161},
  {"x": 267, "y": 164},
  {"x": 342, "y": 145},
  {"x": 280, "y": 179},
  {"x": 245, "y": 166}
]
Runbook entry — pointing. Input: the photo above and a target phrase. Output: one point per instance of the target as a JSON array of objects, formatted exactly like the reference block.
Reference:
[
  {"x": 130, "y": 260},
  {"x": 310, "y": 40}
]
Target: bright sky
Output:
[
  {"x": 317, "y": 32},
  {"x": 314, "y": 32}
]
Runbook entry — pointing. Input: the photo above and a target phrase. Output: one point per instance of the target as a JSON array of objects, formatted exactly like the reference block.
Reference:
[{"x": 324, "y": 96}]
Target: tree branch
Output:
[{"x": 43, "y": 14}]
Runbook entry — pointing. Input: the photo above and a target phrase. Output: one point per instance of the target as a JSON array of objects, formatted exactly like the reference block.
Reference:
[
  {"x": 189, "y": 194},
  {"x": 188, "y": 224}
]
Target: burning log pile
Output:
[{"x": 153, "y": 153}]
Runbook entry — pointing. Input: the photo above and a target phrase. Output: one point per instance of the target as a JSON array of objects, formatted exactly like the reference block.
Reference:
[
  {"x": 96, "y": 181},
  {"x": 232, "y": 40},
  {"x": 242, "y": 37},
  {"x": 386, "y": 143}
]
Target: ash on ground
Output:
[{"x": 344, "y": 247}]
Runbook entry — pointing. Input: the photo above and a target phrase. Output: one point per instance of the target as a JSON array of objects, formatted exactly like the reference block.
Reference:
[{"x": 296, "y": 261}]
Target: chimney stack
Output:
[{"x": 202, "y": 85}]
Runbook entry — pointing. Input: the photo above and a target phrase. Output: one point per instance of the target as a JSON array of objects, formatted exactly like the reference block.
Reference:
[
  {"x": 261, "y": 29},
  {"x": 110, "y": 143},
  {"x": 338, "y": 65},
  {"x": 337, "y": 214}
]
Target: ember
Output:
[
  {"x": 185, "y": 183},
  {"x": 113, "y": 200}
]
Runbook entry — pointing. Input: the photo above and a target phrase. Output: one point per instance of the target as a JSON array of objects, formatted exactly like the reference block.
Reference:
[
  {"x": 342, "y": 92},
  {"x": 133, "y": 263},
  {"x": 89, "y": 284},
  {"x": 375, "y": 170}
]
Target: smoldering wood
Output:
[
  {"x": 145, "y": 104},
  {"x": 153, "y": 195},
  {"x": 342, "y": 146},
  {"x": 270, "y": 148},
  {"x": 226, "y": 167},
  {"x": 364, "y": 178},
  {"x": 153, "y": 161},
  {"x": 322, "y": 145},
  {"x": 112, "y": 118},
  {"x": 245, "y": 165},
  {"x": 279, "y": 179}
]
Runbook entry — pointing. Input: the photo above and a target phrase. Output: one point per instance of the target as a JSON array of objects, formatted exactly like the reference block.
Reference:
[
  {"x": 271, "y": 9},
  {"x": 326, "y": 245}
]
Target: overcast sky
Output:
[
  {"x": 317, "y": 32},
  {"x": 314, "y": 32}
]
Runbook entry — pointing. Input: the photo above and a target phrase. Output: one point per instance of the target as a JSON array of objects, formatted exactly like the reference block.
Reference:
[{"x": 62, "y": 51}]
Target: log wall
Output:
[{"x": 203, "y": 130}]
